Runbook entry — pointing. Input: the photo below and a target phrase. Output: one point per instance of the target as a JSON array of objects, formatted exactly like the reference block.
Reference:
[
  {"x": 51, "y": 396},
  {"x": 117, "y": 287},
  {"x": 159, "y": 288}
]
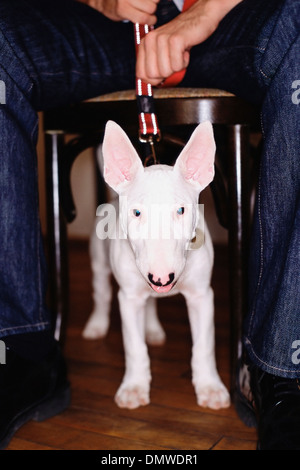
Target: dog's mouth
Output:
[{"x": 162, "y": 289}]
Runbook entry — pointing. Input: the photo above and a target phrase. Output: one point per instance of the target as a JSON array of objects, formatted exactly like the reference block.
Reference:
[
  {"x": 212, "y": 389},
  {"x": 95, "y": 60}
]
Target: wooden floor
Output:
[{"x": 172, "y": 420}]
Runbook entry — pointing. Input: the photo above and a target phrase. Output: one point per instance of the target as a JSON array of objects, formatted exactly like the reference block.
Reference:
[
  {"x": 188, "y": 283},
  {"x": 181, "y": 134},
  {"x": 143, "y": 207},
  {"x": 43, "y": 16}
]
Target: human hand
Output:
[
  {"x": 137, "y": 11},
  {"x": 166, "y": 50}
]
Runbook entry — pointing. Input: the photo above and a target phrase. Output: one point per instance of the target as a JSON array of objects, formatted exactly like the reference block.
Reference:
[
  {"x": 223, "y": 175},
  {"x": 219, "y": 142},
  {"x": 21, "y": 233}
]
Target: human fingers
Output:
[
  {"x": 138, "y": 11},
  {"x": 172, "y": 55},
  {"x": 160, "y": 55},
  {"x": 147, "y": 61}
]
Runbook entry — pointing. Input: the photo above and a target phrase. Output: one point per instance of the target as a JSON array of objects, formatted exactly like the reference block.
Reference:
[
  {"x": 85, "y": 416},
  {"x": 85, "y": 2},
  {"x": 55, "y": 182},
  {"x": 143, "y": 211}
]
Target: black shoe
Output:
[
  {"x": 31, "y": 390},
  {"x": 272, "y": 404}
]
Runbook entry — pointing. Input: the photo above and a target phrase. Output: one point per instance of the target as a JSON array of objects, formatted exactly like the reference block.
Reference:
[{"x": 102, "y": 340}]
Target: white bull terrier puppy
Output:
[{"x": 152, "y": 253}]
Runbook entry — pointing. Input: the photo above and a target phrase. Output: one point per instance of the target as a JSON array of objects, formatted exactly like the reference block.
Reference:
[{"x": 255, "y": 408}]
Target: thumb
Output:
[{"x": 186, "y": 58}]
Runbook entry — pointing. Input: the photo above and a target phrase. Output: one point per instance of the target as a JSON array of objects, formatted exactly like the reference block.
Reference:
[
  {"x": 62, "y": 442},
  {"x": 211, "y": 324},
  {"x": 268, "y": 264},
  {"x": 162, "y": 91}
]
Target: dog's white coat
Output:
[{"x": 147, "y": 196}]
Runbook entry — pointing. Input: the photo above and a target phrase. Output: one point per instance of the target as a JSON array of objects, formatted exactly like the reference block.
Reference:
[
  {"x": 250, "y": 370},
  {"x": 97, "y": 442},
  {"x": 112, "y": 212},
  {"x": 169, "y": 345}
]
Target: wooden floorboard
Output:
[{"x": 172, "y": 421}]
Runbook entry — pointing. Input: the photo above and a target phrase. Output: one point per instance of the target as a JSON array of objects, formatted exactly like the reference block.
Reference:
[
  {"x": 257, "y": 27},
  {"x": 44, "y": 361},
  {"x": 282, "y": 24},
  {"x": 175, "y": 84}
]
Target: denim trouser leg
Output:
[
  {"x": 22, "y": 270},
  {"x": 272, "y": 330},
  {"x": 22, "y": 273},
  {"x": 255, "y": 53},
  {"x": 50, "y": 54}
]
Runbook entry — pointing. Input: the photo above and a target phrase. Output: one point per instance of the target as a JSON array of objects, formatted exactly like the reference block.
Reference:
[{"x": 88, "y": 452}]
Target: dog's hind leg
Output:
[
  {"x": 98, "y": 322},
  {"x": 155, "y": 335}
]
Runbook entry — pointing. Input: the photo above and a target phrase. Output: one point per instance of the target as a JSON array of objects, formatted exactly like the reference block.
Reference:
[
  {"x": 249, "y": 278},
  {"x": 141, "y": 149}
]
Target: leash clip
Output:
[{"x": 150, "y": 139}]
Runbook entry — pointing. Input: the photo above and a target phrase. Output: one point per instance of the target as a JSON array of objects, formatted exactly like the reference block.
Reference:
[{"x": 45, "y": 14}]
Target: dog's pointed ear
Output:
[
  {"x": 196, "y": 161},
  {"x": 121, "y": 161}
]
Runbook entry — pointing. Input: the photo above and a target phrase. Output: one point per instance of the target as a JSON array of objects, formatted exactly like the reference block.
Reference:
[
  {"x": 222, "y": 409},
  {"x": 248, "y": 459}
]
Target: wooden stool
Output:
[{"x": 178, "y": 110}]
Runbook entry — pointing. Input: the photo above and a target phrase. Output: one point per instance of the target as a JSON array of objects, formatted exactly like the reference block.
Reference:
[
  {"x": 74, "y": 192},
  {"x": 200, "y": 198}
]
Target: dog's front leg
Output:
[
  {"x": 210, "y": 390},
  {"x": 135, "y": 387}
]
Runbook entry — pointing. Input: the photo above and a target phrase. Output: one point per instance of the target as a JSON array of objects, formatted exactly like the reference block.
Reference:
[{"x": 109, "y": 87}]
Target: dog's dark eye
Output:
[
  {"x": 136, "y": 212},
  {"x": 180, "y": 211}
]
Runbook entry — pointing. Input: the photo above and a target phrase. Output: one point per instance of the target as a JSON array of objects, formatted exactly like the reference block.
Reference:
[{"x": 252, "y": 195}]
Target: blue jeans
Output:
[{"x": 54, "y": 52}]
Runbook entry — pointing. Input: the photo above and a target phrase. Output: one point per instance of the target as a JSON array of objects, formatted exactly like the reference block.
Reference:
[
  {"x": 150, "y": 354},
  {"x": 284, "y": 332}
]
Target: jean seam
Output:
[
  {"x": 261, "y": 268},
  {"x": 39, "y": 271},
  {"x": 282, "y": 59},
  {"x": 38, "y": 244},
  {"x": 279, "y": 65},
  {"x": 248, "y": 342},
  {"x": 264, "y": 74},
  {"x": 28, "y": 325},
  {"x": 266, "y": 47}
]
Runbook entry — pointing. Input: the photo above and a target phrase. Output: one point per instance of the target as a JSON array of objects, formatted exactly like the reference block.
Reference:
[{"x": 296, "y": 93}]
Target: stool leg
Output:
[
  {"x": 239, "y": 234},
  {"x": 57, "y": 236}
]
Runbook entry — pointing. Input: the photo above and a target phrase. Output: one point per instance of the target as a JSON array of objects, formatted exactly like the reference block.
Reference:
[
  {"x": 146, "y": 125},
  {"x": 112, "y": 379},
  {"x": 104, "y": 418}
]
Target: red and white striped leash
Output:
[
  {"x": 149, "y": 132},
  {"x": 148, "y": 125}
]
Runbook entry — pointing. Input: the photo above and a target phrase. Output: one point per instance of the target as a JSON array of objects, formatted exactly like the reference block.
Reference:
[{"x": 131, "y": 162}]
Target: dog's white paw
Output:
[
  {"x": 132, "y": 396},
  {"x": 213, "y": 396},
  {"x": 96, "y": 327},
  {"x": 155, "y": 337}
]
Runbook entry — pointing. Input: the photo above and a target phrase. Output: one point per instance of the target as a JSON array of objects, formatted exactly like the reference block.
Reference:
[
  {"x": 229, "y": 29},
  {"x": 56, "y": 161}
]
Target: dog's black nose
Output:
[{"x": 158, "y": 282}]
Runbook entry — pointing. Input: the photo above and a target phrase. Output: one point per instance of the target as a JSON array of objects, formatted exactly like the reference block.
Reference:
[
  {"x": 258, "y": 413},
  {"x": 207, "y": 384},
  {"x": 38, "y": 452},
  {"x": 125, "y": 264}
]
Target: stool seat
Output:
[
  {"x": 162, "y": 93},
  {"x": 173, "y": 106}
]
